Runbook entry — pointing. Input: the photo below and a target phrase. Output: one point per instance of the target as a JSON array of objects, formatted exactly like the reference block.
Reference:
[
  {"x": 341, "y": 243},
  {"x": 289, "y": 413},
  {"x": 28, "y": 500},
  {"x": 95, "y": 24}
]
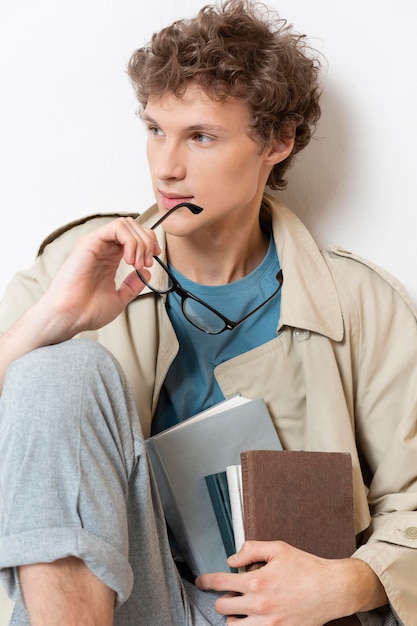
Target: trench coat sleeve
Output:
[
  {"x": 26, "y": 287},
  {"x": 383, "y": 329}
]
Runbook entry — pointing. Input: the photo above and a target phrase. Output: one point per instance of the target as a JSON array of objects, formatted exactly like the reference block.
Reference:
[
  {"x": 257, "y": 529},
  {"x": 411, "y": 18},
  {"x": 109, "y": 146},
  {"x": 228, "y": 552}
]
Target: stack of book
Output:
[
  {"x": 183, "y": 455},
  {"x": 224, "y": 478}
]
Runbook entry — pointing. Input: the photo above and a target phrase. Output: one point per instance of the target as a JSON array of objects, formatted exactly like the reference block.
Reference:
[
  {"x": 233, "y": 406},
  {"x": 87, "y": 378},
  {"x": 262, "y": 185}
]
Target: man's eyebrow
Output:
[
  {"x": 145, "y": 117},
  {"x": 204, "y": 126}
]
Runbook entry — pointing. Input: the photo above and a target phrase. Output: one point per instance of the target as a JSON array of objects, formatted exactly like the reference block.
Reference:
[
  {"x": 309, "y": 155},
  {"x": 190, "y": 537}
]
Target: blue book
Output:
[{"x": 219, "y": 495}]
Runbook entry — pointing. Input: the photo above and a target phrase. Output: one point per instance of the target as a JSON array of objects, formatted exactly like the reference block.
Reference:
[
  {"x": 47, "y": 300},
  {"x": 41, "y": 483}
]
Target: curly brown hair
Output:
[{"x": 244, "y": 50}]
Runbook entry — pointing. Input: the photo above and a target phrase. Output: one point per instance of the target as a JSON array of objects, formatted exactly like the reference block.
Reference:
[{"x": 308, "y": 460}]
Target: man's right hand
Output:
[{"x": 83, "y": 294}]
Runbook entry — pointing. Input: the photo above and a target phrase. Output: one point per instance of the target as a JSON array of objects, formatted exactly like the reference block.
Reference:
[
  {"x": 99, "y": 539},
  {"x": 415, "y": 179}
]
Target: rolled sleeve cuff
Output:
[
  {"x": 46, "y": 546},
  {"x": 391, "y": 552}
]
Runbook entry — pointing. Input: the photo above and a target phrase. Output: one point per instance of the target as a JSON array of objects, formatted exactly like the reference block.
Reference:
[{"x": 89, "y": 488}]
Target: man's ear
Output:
[{"x": 279, "y": 150}]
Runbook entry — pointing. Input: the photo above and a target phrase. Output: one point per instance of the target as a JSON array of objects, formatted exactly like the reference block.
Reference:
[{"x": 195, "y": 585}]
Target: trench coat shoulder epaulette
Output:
[{"x": 78, "y": 222}]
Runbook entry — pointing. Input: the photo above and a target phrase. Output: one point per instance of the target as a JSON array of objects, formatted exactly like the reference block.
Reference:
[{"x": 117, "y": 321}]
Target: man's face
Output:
[{"x": 201, "y": 151}]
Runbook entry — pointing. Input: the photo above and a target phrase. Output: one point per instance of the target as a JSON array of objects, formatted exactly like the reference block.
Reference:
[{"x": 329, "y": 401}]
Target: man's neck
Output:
[{"x": 217, "y": 259}]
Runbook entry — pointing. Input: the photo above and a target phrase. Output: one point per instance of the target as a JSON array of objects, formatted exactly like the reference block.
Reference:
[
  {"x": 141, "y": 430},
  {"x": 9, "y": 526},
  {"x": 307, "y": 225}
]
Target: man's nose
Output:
[{"x": 170, "y": 163}]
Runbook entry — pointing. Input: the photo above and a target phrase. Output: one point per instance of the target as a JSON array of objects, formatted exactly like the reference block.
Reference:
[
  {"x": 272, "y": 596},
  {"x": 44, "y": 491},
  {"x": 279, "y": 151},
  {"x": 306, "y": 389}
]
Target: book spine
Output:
[
  {"x": 234, "y": 482},
  {"x": 247, "y": 486},
  {"x": 219, "y": 496},
  {"x": 247, "y": 495}
]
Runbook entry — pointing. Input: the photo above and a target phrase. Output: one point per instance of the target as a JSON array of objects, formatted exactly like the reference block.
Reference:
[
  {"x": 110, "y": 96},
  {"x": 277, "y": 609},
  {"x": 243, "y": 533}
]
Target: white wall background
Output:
[{"x": 70, "y": 144}]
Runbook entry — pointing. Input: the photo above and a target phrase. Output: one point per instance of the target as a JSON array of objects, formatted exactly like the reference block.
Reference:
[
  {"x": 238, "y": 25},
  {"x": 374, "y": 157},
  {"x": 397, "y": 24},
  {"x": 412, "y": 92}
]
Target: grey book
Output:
[{"x": 184, "y": 454}]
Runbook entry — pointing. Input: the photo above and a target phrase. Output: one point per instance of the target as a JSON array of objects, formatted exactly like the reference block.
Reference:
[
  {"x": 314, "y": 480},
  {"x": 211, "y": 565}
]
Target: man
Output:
[{"x": 227, "y": 99}]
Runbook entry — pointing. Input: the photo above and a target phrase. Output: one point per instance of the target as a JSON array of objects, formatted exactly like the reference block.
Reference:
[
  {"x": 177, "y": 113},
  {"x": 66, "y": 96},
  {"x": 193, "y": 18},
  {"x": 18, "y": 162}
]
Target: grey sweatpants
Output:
[{"x": 75, "y": 480}]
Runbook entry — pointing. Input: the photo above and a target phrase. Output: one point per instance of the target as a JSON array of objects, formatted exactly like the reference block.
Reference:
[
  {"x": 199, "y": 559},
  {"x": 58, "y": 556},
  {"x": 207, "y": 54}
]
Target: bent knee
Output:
[
  {"x": 61, "y": 367},
  {"x": 61, "y": 356}
]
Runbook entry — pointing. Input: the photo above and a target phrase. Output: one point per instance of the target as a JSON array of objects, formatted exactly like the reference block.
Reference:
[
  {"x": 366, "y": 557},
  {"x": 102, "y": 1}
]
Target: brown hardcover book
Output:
[{"x": 302, "y": 498}]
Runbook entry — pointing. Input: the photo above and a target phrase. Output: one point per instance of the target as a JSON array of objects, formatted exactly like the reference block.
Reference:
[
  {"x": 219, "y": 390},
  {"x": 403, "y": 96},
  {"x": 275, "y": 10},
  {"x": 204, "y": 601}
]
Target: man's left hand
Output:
[{"x": 293, "y": 587}]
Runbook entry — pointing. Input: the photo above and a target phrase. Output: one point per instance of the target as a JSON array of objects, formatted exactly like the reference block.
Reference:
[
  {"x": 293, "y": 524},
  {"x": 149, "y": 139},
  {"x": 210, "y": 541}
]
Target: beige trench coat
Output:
[{"x": 341, "y": 375}]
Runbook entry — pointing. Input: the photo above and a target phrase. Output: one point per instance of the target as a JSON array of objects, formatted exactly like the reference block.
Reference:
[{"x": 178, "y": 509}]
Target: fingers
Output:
[
  {"x": 140, "y": 244},
  {"x": 124, "y": 237},
  {"x": 232, "y": 602},
  {"x": 219, "y": 581}
]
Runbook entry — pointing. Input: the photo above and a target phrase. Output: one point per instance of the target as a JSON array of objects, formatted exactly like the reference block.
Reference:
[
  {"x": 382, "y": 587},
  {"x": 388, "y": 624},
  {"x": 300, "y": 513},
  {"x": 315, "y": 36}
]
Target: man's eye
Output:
[
  {"x": 154, "y": 130},
  {"x": 202, "y": 138}
]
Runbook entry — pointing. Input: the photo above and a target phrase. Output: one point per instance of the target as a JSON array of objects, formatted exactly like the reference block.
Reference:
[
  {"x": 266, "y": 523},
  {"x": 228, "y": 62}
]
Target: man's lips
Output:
[{"x": 169, "y": 200}]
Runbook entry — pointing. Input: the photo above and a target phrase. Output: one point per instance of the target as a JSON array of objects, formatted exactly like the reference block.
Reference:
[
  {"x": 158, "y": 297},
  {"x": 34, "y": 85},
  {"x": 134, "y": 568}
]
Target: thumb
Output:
[
  {"x": 132, "y": 286},
  {"x": 252, "y": 553}
]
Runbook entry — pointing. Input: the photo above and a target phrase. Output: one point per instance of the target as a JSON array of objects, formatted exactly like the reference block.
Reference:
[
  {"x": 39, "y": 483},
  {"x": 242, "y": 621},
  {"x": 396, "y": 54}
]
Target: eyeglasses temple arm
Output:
[{"x": 194, "y": 208}]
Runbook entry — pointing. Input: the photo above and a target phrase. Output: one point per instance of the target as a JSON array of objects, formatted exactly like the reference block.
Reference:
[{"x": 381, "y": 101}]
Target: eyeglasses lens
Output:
[{"x": 202, "y": 317}]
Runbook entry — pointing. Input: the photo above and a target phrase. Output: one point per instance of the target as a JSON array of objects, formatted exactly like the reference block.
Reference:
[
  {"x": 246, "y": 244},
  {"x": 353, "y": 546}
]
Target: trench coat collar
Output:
[{"x": 309, "y": 299}]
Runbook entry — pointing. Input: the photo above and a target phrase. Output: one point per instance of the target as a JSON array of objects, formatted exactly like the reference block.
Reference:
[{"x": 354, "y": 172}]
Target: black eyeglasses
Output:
[{"x": 199, "y": 313}]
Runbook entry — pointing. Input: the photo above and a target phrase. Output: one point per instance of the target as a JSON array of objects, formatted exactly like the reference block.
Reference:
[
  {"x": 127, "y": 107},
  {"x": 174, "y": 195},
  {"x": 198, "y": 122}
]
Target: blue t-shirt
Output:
[{"x": 190, "y": 385}]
